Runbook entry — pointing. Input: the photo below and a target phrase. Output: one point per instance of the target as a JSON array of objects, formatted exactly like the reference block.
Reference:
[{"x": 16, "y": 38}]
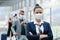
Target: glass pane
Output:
[
  {"x": 56, "y": 22},
  {"x": 56, "y": 16},
  {"x": 46, "y": 15}
]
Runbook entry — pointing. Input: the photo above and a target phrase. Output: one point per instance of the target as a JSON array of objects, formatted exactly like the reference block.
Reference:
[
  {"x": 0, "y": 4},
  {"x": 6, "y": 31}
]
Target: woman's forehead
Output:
[
  {"x": 21, "y": 13},
  {"x": 38, "y": 10}
]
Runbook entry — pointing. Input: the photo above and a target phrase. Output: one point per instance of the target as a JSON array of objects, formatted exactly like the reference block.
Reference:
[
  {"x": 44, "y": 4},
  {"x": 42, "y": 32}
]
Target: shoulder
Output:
[
  {"x": 30, "y": 23},
  {"x": 46, "y": 23}
]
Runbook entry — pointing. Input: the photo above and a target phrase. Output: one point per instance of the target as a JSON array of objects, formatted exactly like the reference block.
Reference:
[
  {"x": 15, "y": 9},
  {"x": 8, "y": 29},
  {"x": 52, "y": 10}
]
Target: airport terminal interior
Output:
[{"x": 51, "y": 13}]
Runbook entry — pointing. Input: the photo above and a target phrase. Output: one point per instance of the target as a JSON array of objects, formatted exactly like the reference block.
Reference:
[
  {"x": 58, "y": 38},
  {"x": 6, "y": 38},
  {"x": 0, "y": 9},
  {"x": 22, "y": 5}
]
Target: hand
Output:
[
  {"x": 15, "y": 34},
  {"x": 30, "y": 33},
  {"x": 10, "y": 21},
  {"x": 22, "y": 22},
  {"x": 43, "y": 36}
]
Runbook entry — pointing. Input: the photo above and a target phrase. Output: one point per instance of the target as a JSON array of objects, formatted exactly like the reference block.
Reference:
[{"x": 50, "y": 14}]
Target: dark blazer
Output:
[{"x": 31, "y": 28}]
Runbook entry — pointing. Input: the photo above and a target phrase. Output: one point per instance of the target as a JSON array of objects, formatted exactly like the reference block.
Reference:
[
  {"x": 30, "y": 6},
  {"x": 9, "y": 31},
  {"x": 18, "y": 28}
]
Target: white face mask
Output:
[
  {"x": 21, "y": 16},
  {"x": 38, "y": 16}
]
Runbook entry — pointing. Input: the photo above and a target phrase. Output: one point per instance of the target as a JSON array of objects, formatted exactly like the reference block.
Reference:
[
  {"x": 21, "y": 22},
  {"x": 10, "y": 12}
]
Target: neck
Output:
[{"x": 38, "y": 21}]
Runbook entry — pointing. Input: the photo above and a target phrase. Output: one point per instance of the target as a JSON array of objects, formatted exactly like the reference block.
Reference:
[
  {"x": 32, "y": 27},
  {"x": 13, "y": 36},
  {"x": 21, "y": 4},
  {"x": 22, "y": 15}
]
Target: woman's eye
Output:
[
  {"x": 40, "y": 12},
  {"x": 37, "y": 12}
]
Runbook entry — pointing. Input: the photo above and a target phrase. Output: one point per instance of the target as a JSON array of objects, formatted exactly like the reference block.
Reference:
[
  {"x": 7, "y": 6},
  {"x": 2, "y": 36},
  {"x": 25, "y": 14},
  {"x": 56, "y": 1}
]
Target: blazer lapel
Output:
[
  {"x": 44, "y": 25},
  {"x": 34, "y": 27}
]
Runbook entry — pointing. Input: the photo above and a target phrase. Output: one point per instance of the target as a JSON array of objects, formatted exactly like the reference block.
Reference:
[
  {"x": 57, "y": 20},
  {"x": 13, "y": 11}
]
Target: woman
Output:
[
  {"x": 9, "y": 27},
  {"x": 38, "y": 29}
]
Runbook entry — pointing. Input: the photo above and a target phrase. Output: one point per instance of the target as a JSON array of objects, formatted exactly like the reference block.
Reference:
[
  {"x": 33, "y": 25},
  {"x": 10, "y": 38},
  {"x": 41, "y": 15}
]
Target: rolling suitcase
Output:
[{"x": 3, "y": 37}]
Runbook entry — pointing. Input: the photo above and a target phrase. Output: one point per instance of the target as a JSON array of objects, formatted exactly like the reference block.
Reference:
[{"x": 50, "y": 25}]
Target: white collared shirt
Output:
[{"x": 42, "y": 28}]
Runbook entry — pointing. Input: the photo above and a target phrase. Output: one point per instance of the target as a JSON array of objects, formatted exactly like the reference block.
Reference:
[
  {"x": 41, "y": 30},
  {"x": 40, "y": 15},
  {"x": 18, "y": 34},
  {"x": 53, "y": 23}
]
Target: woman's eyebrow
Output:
[{"x": 38, "y": 12}]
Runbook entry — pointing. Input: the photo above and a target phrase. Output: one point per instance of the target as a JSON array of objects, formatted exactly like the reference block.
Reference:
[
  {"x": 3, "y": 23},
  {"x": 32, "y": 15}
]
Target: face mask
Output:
[
  {"x": 38, "y": 16},
  {"x": 21, "y": 16}
]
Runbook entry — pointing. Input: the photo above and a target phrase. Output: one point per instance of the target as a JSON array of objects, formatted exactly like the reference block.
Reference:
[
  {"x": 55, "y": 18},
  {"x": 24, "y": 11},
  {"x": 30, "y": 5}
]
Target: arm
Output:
[
  {"x": 49, "y": 33},
  {"x": 10, "y": 21},
  {"x": 43, "y": 36},
  {"x": 28, "y": 29},
  {"x": 12, "y": 28}
]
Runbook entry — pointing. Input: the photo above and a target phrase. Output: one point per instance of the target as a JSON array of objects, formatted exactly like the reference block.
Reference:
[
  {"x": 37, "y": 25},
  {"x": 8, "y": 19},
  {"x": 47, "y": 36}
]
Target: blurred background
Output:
[{"x": 51, "y": 13}]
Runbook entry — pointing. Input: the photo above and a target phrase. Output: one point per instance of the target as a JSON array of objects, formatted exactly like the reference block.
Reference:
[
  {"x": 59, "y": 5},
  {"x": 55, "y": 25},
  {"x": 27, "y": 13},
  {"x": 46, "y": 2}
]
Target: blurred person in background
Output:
[
  {"x": 38, "y": 29},
  {"x": 23, "y": 21},
  {"x": 15, "y": 19},
  {"x": 16, "y": 27},
  {"x": 9, "y": 27},
  {"x": 19, "y": 24}
]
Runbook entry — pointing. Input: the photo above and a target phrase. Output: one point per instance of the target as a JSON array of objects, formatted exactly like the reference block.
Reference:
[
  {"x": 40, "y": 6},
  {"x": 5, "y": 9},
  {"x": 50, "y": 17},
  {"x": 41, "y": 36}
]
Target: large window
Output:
[
  {"x": 4, "y": 14},
  {"x": 46, "y": 15},
  {"x": 56, "y": 16}
]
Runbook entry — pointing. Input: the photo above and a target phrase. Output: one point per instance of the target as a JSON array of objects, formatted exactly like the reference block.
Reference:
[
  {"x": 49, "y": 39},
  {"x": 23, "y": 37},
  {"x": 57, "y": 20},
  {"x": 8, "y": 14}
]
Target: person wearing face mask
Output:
[
  {"x": 38, "y": 29},
  {"x": 9, "y": 27},
  {"x": 22, "y": 17},
  {"x": 23, "y": 22},
  {"x": 19, "y": 25},
  {"x": 16, "y": 27}
]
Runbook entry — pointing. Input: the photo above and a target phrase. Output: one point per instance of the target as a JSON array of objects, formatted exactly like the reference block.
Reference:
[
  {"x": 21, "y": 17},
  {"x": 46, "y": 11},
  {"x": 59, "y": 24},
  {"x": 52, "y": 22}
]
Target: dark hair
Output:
[
  {"x": 37, "y": 6},
  {"x": 9, "y": 18},
  {"x": 15, "y": 15},
  {"x": 22, "y": 11}
]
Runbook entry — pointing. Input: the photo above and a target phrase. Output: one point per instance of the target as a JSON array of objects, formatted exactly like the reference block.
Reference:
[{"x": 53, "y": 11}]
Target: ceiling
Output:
[{"x": 8, "y": 2}]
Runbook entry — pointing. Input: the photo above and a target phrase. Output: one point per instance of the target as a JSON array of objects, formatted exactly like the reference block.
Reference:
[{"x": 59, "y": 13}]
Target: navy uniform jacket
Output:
[{"x": 31, "y": 28}]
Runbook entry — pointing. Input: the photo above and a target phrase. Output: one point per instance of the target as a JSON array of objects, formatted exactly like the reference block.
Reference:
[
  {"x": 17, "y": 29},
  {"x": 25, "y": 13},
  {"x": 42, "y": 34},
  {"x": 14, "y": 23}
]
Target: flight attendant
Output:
[{"x": 38, "y": 29}]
